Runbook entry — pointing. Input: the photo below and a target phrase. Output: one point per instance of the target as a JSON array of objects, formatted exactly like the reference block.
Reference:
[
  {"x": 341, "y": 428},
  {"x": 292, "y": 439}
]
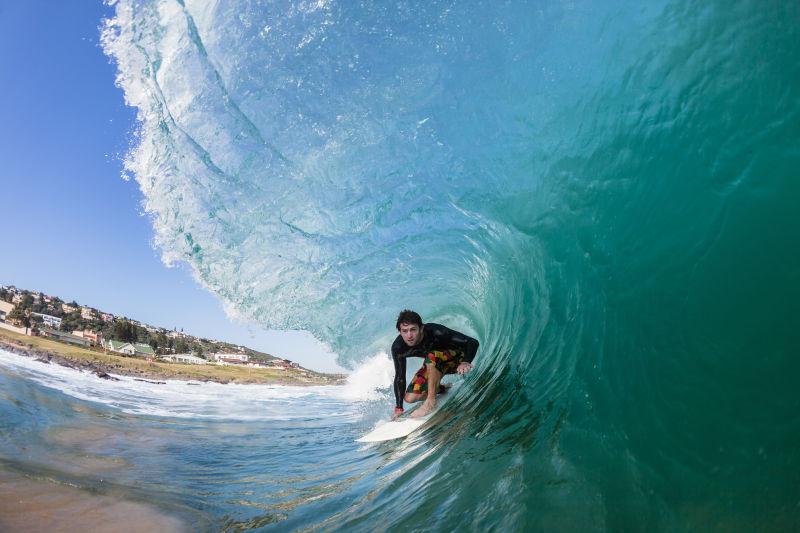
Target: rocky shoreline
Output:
[{"x": 108, "y": 371}]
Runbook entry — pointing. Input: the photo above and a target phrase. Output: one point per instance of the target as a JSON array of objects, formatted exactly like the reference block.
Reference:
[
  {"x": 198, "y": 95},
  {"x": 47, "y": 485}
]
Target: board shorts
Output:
[{"x": 446, "y": 362}]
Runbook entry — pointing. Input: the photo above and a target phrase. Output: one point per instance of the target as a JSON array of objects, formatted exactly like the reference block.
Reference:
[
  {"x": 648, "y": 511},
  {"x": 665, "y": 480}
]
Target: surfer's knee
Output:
[
  {"x": 432, "y": 370},
  {"x": 411, "y": 397}
]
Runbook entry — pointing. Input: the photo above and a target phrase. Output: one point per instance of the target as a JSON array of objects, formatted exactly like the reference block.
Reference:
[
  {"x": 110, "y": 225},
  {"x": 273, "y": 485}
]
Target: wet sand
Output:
[{"x": 33, "y": 505}]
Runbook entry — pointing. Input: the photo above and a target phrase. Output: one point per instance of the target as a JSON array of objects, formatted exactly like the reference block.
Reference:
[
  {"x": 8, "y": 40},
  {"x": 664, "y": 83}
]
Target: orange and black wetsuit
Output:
[{"x": 435, "y": 338}]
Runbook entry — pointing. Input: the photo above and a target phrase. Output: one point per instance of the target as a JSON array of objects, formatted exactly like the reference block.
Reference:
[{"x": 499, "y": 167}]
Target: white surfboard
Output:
[{"x": 394, "y": 429}]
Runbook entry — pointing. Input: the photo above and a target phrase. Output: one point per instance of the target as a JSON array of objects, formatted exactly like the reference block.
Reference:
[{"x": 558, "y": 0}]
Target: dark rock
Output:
[
  {"x": 153, "y": 382},
  {"x": 101, "y": 374}
]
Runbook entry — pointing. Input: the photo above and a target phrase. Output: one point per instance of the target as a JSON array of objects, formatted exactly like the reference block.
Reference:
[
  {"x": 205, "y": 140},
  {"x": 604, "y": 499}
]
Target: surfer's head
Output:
[{"x": 409, "y": 324}]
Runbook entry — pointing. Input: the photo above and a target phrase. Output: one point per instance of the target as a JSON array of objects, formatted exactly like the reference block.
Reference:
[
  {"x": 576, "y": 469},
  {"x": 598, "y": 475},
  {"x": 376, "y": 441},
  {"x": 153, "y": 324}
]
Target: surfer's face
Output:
[{"x": 411, "y": 333}]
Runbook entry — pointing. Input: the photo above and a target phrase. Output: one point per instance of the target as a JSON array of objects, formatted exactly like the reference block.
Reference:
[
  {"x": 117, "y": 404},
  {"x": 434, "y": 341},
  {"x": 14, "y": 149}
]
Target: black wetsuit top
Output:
[{"x": 435, "y": 337}]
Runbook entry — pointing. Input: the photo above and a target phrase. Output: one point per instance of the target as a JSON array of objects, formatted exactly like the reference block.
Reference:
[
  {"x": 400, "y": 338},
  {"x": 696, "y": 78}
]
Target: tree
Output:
[
  {"x": 71, "y": 322},
  {"x": 19, "y": 316},
  {"x": 161, "y": 340},
  {"x": 36, "y": 323},
  {"x": 27, "y": 301},
  {"x": 124, "y": 331}
]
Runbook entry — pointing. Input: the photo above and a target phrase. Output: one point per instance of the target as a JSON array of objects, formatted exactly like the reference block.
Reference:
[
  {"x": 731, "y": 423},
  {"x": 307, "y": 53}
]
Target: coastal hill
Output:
[{"x": 68, "y": 333}]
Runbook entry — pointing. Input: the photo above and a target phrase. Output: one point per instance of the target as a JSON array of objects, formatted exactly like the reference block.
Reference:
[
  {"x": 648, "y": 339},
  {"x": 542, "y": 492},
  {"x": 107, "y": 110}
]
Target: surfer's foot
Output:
[{"x": 423, "y": 409}]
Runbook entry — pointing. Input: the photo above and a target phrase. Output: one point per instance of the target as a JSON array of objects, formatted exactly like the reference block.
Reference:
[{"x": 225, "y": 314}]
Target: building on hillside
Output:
[
  {"x": 280, "y": 363},
  {"x": 17, "y": 298},
  {"x": 137, "y": 349},
  {"x": 185, "y": 358},
  {"x": 5, "y": 309},
  {"x": 144, "y": 350},
  {"x": 68, "y": 308},
  {"x": 107, "y": 317},
  {"x": 87, "y": 313},
  {"x": 95, "y": 337},
  {"x": 49, "y": 320},
  {"x": 119, "y": 347},
  {"x": 230, "y": 358},
  {"x": 63, "y": 336}
]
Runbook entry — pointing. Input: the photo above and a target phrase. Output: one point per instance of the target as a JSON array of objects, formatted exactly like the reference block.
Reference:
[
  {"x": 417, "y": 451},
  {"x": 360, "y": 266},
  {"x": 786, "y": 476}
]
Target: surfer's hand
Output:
[
  {"x": 397, "y": 412},
  {"x": 463, "y": 368}
]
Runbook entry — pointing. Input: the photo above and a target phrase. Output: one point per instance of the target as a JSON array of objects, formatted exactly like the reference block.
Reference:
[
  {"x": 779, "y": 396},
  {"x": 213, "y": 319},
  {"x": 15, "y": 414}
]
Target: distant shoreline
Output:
[{"x": 106, "y": 365}]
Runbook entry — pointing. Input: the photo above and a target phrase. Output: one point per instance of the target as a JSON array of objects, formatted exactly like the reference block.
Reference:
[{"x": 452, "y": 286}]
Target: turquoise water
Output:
[{"x": 605, "y": 194}]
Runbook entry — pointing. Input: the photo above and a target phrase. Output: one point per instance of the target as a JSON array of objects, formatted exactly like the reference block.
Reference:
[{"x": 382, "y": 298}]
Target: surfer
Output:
[{"x": 445, "y": 352}]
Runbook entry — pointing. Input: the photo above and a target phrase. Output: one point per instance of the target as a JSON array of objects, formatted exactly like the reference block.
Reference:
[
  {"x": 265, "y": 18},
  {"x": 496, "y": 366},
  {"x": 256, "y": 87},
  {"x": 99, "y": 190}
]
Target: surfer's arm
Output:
[
  {"x": 459, "y": 341},
  {"x": 399, "y": 378}
]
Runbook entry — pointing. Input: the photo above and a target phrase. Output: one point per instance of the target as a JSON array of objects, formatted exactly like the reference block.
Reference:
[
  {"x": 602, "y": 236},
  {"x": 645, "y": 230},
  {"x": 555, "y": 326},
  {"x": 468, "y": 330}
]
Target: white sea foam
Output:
[
  {"x": 191, "y": 399},
  {"x": 370, "y": 380}
]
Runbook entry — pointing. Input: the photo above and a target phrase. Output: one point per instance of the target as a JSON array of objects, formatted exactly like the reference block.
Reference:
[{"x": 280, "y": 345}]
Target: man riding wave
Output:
[{"x": 445, "y": 351}]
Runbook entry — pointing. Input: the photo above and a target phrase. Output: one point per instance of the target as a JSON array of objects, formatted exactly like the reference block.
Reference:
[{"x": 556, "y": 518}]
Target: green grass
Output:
[{"x": 134, "y": 366}]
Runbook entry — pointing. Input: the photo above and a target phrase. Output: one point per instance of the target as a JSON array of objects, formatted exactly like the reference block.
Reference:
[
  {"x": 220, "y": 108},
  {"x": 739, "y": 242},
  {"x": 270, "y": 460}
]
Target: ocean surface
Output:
[{"x": 606, "y": 194}]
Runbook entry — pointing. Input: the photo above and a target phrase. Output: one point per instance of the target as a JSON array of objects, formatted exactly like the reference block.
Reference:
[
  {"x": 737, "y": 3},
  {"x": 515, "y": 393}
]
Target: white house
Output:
[
  {"x": 49, "y": 320},
  {"x": 234, "y": 358},
  {"x": 128, "y": 348},
  {"x": 185, "y": 358}
]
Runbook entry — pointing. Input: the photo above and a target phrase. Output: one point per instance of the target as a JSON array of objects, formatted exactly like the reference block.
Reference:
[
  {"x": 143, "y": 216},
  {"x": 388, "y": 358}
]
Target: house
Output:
[
  {"x": 107, "y": 317},
  {"x": 87, "y": 313},
  {"x": 95, "y": 337},
  {"x": 280, "y": 363},
  {"x": 130, "y": 348},
  {"x": 68, "y": 308},
  {"x": 230, "y": 358},
  {"x": 49, "y": 320},
  {"x": 64, "y": 337},
  {"x": 185, "y": 358},
  {"x": 5, "y": 309},
  {"x": 144, "y": 350},
  {"x": 120, "y": 347}
]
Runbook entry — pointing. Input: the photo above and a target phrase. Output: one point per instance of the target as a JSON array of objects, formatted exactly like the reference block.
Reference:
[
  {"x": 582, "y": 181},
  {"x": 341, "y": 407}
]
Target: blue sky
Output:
[{"x": 72, "y": 227}]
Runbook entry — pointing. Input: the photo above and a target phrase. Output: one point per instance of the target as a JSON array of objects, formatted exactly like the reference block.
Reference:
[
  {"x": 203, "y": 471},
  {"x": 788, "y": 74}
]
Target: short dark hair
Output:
[{"x": 407, "y": 316}]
